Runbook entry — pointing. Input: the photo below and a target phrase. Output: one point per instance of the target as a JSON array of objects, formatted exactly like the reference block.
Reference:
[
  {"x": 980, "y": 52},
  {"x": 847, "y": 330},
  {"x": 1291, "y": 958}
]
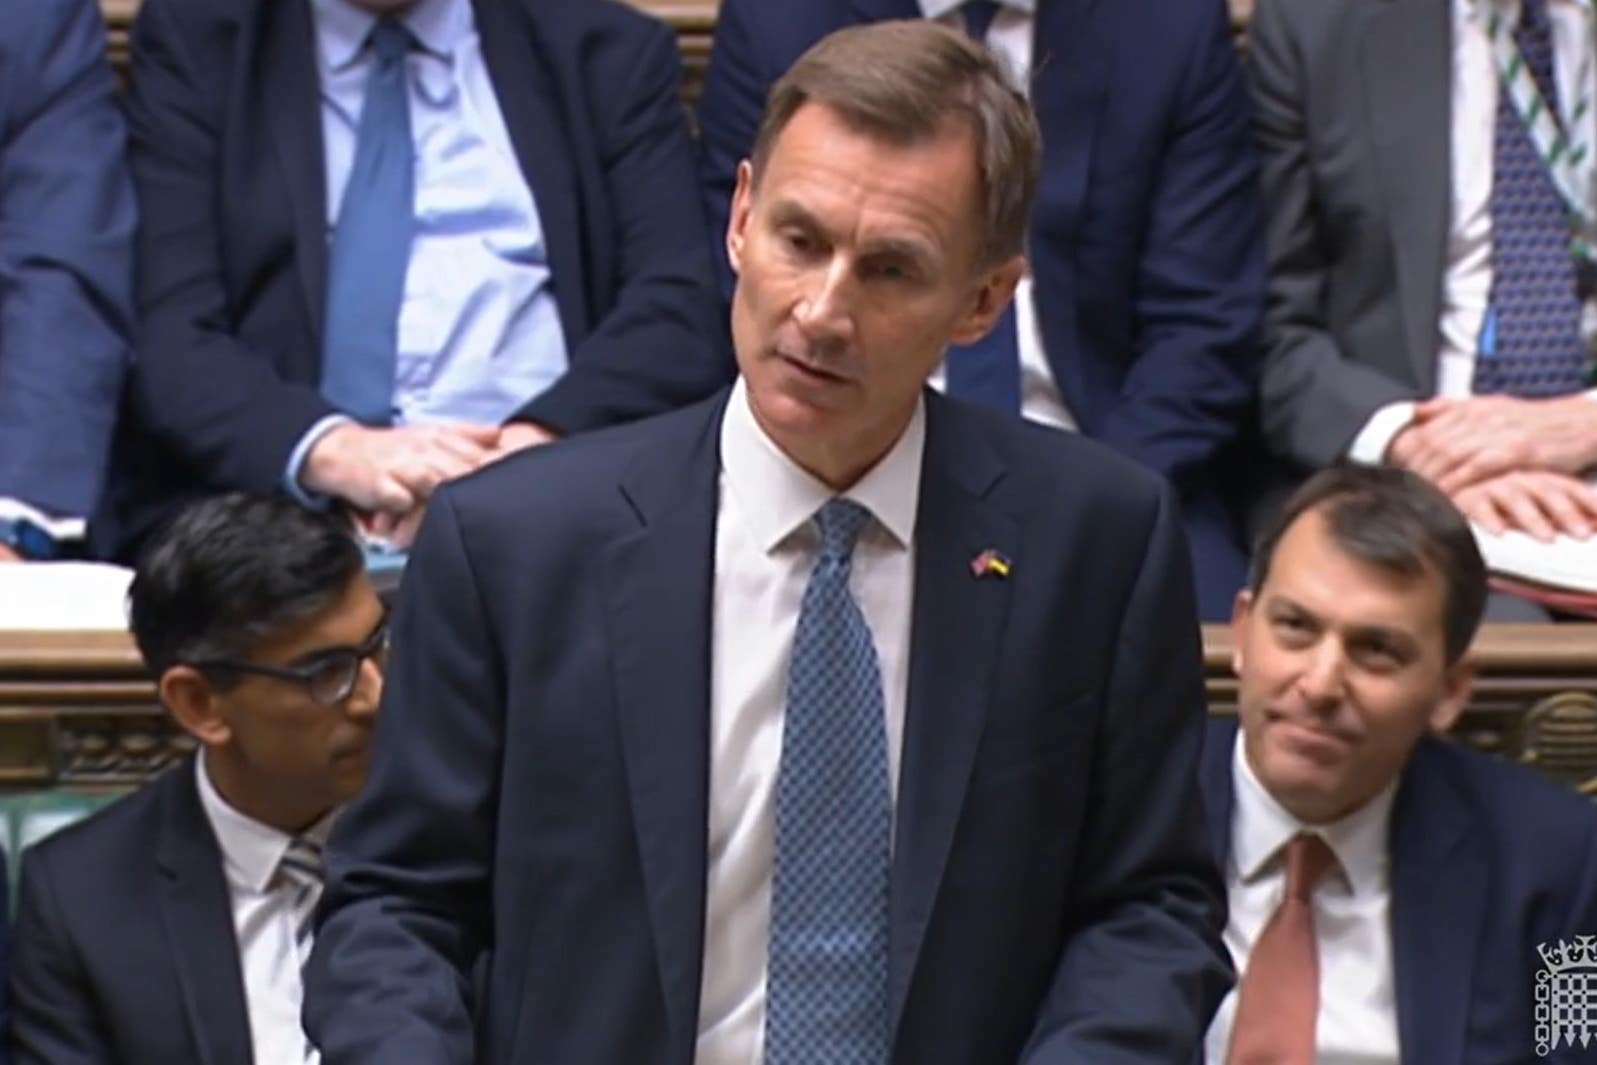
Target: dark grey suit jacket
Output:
[{"x": 1353, "y": 118}]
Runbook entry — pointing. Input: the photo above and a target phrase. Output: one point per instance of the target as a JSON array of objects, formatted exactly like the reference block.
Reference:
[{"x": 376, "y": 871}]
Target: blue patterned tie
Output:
[
  {"x": 827, "y": 977},
  {"x": 371, "y": 243},
  {"x": 1536, "y": 348},
  {"x": 987, "y": 371}
]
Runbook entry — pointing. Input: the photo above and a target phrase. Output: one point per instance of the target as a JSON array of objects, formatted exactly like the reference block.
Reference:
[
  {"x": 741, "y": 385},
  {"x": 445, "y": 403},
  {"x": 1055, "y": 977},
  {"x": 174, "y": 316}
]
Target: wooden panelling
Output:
[{"x": 76, "y": 709}]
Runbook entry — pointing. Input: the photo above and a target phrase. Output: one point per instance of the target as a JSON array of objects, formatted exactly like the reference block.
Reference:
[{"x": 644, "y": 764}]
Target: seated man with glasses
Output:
[{"x": 172, "y": 926}]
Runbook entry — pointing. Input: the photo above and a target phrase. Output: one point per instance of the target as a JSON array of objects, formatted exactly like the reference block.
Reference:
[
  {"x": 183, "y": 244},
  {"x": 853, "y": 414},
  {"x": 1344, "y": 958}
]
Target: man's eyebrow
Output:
[
  {"x": 316, "y": 654},
  {"x": 1383, "y": 634}
]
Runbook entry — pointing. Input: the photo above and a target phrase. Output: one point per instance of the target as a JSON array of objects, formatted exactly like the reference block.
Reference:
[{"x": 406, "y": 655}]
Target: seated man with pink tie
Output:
[{"x": 1392, "y": 896}]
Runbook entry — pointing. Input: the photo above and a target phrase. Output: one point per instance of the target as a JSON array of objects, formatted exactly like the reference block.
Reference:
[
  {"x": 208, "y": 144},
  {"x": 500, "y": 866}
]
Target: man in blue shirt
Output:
[{"x": 388, "y": 242}]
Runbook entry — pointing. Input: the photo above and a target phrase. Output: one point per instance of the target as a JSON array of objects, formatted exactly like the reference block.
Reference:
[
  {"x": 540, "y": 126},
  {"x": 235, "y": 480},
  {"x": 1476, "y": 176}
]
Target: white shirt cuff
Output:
[
  {"x": 297, "y": 457},
  {"x": 66, "y": 528},
  {"x": 1369, "y": 447}
]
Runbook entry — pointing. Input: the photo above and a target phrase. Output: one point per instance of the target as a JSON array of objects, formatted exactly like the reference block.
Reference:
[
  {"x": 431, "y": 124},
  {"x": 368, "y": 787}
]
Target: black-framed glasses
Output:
[{"x": 328, "y": 677}]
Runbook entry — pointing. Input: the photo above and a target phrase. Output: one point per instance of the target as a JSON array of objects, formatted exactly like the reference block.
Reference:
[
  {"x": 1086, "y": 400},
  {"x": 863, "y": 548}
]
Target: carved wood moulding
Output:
[{"x": 76, "y": 708}]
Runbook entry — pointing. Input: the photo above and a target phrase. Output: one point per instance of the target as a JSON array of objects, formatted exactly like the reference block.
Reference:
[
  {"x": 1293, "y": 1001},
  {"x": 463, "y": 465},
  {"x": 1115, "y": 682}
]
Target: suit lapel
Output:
[
  {"x": 1438, "y": 903},
  {"x": 512, "y": 49},
  {"x": 197, "y": 916},
  {"x": 1072, "y": 57},
  {"x": 294, "y": 109},
  {"x": 659, "y": 582},
  {"x": 1408, "y": 92},
  {"x": 955, "y": 636}
]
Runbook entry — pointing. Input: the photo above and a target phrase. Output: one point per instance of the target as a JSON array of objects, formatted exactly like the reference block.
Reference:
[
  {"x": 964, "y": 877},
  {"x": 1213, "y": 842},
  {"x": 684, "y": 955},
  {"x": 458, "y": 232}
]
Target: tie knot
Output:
[
  {"x": 301, "y": 863},
  {"x": 841, "y": 521},
  {"x": 1308, "y": 859},
  {"x": 979, "y": 15},
  {"x": 390, "y": 39}
]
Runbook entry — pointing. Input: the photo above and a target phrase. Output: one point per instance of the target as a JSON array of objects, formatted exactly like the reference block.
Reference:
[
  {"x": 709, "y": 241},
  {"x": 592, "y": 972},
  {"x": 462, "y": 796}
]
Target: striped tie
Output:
[{"x": 301, "y": 869}]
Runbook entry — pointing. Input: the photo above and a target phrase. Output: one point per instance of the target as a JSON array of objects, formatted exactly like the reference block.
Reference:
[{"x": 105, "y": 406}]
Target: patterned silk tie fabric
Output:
[
  {"x": 1278, "y": 1004},
  {"x": 371, "y": 242},
  {"x": 1536, "y": 347},
  {"x": 827, "y": 964},
  {"x": 987, "y": 371},
  {"x": 301, "y": 868},
  {"x": 300, "y": 871}
]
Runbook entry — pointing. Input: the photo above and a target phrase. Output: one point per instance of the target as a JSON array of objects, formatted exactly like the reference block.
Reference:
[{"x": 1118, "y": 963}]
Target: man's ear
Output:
[
  {"x": 188, "y": 695},
  {"x": 1458, "y": 683},
  {"x": 737, "y": 222},
  {"x": 992, "y": 296},
  {"x": 1241, "y": 611}
]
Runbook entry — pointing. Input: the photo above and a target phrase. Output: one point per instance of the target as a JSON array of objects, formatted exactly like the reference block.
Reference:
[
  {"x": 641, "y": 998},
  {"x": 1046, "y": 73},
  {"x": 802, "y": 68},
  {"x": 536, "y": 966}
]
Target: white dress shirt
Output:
[
  {"x": 263, "y": 921},
  {"x": 1352, "y": 918},
  {"x": 765, "y": 548},
  {"x": 1010, "y": 36},
  {"x": 479, "y": 328},
  {"x": 1467, "y": 276}
]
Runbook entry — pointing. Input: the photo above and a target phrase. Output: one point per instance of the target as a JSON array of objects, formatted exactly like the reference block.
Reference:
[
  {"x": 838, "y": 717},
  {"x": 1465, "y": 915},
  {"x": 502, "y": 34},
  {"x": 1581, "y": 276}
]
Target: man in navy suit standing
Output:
[
  {"x": 1391, "y": 894},
  {"x": 1137, "y": 321},
  {"x": 66, "y": 271},
  {"x": 386, "y": 241},
  {"x": 826, "y": 721}
]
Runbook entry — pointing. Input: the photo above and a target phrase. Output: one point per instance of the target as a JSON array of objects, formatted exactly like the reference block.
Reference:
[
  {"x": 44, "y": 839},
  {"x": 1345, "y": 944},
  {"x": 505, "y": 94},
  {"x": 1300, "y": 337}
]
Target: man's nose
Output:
[
  {"x": 362, "y": 702},
  {"x": 825, "y": 312},
  {"x": 1323, "y": 680}
]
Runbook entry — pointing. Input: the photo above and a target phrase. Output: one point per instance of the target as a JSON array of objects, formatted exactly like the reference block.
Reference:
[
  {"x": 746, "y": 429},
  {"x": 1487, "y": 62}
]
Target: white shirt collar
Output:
[
  {"x": 251, "y": 850},
  {"x": 778, "y": 497},
  {"x": 342, "y": 28},
  {"x": 936, "y": 9},
  {"x": 1261, "y": 826}
]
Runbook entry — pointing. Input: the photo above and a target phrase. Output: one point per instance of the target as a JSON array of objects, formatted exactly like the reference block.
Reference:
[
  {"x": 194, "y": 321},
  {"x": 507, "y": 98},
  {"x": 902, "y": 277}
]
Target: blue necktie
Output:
[
  {"x": 1536, "y": 348},
  {"x": 987, "y": 371},
  {"x": 827, "y": 976},
  {"x": 371, "y": 243}
]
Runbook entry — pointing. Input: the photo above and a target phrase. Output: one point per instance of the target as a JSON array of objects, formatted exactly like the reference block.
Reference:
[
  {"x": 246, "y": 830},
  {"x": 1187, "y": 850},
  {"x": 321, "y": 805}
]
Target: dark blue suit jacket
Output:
[
  {"x": 540, "y": 781},
  {"x": 1487, "y": 860},
  {"x": 66, "y": 254},
  {"x": 124, "y": 949},
  {"x": 227, "y": 157},
  {"x": 1146, "y": 239}
]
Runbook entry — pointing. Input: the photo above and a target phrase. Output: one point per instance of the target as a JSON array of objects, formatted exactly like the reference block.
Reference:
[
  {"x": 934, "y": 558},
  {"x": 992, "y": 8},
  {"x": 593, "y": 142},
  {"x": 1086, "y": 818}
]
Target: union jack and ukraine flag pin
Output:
[{"x": 990, "y": 563}]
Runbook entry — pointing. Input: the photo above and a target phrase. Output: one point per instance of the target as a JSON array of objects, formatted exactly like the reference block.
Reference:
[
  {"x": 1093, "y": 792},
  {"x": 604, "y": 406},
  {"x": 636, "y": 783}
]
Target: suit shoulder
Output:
[
  {"x": 566, "y": 473},
  {"x": 1527, "y": 812},
  {"x": 106, "y": 839},
  {"x": 1058, "y": 457},
  {"x": 602, "y": 18}
]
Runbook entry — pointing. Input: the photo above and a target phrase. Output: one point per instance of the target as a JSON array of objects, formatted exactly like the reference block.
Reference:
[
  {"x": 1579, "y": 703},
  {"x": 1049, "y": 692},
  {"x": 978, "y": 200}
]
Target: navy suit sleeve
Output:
[
  {"x": 53, "y": 1015},
  {"x": 405, "y": 912},
  {"x": 1200, "y": 284},
  {"x": 1145, "y": 967},
  {"x": 66, "y": 232},
  {"x": 197, "y": 387},
  {"x": 1314, "y": 399},
  {"x": 730, "y": 107},
  {"x": 663, "y": 343}
]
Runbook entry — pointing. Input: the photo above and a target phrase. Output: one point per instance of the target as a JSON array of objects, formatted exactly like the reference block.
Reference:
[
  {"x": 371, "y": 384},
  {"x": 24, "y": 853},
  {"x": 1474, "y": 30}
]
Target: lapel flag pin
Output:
[{"x": 989, "y": 562}]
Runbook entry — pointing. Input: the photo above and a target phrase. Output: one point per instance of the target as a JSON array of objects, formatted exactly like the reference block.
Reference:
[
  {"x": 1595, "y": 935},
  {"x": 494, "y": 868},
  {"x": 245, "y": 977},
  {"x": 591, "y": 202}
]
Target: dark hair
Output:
[
  {"x": 903, "y": 81},
  {"x": 232, "y": 571},
  {"x": 1398, "y": 521}
]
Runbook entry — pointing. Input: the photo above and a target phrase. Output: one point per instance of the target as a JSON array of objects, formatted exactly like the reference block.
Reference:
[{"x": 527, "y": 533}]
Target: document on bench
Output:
[
  {"x": 81, "y": 596},
  {"x": 1564, "y": 563}
]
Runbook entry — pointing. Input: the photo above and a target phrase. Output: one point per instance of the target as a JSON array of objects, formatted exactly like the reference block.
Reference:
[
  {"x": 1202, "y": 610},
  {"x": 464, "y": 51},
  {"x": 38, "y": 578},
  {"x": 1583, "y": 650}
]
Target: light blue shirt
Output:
[{"x": 479, "y": 329}]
